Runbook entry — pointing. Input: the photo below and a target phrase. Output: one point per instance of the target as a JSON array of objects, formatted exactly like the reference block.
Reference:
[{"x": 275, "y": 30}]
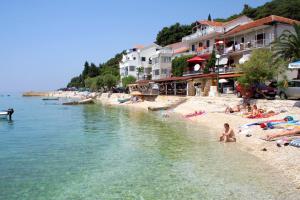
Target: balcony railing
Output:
[
  {"x": 189, "y": 73},
  {"x": 205, "y": 51},
  {"x": 253, "y": 44},
  {"x": 222, "y": 70}
]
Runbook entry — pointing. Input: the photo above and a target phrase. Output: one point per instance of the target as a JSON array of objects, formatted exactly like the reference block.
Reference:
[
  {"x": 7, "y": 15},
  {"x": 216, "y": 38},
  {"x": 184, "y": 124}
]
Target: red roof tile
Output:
[
  {"x": 211, "y": 23},
  {"x": 260, "y": 22}
]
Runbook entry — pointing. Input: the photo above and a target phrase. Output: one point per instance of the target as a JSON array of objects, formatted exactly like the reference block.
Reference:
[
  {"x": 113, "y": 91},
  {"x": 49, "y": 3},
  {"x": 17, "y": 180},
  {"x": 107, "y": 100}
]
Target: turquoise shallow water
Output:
[{"x": 57, "y": 152}]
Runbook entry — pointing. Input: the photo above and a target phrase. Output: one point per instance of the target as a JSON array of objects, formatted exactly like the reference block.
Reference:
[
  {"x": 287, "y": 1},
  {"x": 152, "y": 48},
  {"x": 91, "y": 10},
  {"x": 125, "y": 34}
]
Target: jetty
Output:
[{"x": 35, "y": 94}]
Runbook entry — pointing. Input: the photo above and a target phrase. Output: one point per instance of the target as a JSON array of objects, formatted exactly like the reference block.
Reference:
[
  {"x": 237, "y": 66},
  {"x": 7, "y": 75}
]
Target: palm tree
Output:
[{"x": 287, "y": 46}]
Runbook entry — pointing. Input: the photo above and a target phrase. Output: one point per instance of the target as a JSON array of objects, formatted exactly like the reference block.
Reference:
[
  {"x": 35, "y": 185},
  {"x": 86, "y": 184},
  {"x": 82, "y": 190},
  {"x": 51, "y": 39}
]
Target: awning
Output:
[
  {"x": 245, "y": 58},
  {"x": 196, "y": 59},
  {"x": 222, "y": 61},
  {"x": 294, "y": 65}
]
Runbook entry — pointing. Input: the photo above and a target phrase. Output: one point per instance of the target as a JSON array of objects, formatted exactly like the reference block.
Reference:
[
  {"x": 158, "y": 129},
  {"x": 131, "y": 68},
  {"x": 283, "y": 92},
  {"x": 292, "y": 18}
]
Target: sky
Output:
[{"x": 44, "y": 43}]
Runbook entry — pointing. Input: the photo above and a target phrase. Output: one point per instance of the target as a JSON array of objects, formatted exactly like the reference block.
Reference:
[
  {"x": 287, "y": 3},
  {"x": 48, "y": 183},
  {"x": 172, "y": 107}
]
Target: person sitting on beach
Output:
[
  {"x": 232, "y": 110},
  {"x": 254, "y": 112},
  {"x": 295, "y": 131},
  {"x": 228, "y": 134},
  {"x": 247, "y": 107}
]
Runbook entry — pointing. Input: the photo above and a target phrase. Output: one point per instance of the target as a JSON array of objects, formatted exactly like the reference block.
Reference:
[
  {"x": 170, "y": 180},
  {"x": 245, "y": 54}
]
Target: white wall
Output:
[{"x": 239, "y": 21}]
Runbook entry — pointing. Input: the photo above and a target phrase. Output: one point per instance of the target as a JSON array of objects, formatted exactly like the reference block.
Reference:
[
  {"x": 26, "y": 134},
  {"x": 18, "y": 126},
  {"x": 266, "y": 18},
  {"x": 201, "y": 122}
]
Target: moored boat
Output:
[
  {"x": 85, "y": 101},
  {"x": 123, "y": 100},
  {"x": 7, "y": 113},
  {"x": 50, "y": 99}
]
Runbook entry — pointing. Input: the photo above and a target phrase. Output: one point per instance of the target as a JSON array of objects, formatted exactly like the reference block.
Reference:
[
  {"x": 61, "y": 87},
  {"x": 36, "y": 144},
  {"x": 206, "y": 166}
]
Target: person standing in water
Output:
[{"x": 228, "y": 134}]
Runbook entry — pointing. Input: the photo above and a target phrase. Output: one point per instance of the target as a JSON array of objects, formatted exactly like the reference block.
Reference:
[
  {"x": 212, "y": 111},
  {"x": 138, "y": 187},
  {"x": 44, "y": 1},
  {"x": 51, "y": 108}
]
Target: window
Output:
[
  {"x": 164, "y": 71},
  {"x": 131, "y": 68},
  {"x": 242, "y": 40},
  {"x": 143, "y": 59},
  {"x": 165, "y": 59},
  {"x": 291, "y": 84},
  {"x": 297, "y": 84},
  {"x": 193, "y": 47},
  {"x": 260, "y": 38},
  {"x": 156, "y": 72},
  {"x": 155, "y": 60},
  {"x": 207, "y": 43},
  {"x": 200, "y": 44}
]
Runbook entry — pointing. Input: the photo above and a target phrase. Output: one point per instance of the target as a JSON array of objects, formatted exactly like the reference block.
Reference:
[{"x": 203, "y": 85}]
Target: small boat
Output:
[
  {"x": 158, "y": 108},
  {"x": 85, "y": 101},
  {"x": 50, "y": 99},
  {"x": 123, "y": 100},
  {"x": 7, "y": 114}
]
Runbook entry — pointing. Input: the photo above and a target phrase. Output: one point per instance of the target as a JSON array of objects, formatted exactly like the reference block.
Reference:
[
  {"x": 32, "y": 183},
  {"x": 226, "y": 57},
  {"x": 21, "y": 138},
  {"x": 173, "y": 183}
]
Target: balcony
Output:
[
  {"x": 222, "y": 70},
  {"x": 253, "y": 44},
  {"x": 203, "y": 51},
  {"x": 192, "y": 72}
]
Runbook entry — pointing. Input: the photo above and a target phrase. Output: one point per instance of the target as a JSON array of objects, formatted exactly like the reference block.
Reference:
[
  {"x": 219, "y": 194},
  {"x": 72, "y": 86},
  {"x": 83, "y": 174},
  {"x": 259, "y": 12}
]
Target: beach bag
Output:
[
  {"x": 295, "y": 143},
  {"x": 289, "y": 118}
]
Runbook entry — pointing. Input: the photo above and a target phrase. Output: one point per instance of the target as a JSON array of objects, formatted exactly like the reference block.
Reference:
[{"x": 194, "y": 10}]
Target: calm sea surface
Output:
[{"x": 51, "y": 151}]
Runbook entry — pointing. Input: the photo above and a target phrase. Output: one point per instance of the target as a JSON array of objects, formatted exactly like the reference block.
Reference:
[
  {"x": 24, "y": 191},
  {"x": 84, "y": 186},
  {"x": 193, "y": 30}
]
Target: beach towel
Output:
[
  {"x": 295, "y": 143},
  {"x": 262, "y": 115}
]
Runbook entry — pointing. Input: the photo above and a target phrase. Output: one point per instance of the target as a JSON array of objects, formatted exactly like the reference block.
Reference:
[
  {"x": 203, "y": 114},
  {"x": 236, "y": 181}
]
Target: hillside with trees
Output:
[
  {"x": 106, "y": 75},
  {"x": 173, "y": 34}
]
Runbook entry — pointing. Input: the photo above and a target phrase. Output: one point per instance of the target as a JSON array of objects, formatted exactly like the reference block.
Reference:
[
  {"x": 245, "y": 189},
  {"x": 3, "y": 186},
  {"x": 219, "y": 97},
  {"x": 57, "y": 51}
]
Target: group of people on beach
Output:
[
  {"x": 249, "y": 111},
  {"x": 228, "y": 134}
]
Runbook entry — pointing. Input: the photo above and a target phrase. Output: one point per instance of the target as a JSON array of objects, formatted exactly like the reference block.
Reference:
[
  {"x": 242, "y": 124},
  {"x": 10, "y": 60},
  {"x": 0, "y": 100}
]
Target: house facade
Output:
[
  {"x": 130, "y": 62},
  {"x": 232, "y": 41},
  {"x": 235, "y": 40},
  {"x": 146, "y": 63}
]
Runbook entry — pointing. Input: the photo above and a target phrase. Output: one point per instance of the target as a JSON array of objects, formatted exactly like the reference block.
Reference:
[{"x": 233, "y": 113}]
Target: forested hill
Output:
[{"x": 285, "y": 8}]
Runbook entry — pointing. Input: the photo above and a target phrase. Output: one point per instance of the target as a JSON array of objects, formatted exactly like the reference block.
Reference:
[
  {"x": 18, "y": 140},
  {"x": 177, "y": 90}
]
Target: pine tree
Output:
[{"x": 209, "y": 17}]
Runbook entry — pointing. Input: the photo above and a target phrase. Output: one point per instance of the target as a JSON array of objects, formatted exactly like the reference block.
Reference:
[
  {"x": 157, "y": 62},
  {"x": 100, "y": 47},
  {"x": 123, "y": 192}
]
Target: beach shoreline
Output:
[{"x": 281, "y": 158}]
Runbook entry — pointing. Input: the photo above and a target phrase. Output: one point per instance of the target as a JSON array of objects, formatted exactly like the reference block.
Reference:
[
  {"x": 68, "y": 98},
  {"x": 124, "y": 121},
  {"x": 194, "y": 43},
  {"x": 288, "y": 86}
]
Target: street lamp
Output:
[{"x": 218, "y": 59}]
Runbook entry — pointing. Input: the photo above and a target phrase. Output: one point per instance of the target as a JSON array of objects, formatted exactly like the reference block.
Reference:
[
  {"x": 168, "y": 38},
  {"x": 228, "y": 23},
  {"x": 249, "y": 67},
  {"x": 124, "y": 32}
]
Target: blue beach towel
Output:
[{"x": 295, "y": 143}]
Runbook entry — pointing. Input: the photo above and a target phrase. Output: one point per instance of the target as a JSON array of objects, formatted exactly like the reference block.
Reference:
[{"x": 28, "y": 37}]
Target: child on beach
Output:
[{"x": 228, "y": 134}]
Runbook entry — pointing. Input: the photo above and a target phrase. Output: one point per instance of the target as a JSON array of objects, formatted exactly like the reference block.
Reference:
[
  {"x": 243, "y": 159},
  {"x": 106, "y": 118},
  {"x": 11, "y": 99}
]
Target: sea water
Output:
[{"x": 51, "y": 151}]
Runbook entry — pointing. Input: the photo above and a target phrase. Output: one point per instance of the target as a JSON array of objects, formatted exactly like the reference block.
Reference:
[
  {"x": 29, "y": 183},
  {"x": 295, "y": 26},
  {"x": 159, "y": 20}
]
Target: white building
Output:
[
  {"x": 162, "y": 63},
  {"x": 146, "y": 63},
  {"x": 203, "y": 40},
  {"x": 146, "y": 57},
  {"x": 130, "y": 62}
]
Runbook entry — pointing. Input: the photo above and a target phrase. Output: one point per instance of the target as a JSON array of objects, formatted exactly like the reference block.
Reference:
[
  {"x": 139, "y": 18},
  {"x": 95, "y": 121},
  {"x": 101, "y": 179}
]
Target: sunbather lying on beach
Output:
[
  {"x": 293, "y": 132},
  {"x": 228, "y": 134},
  {"x": 232, "y": 110}
]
